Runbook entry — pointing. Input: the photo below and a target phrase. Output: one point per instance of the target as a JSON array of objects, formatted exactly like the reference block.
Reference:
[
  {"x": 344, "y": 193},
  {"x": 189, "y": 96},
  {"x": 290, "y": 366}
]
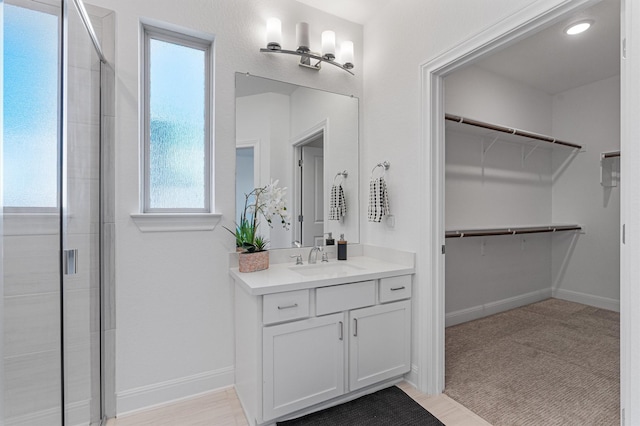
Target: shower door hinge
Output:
[
  {"x": 70, "y": 261},
  {"x": 299, "y": 163},
  {"x": 300, "y": 218}
]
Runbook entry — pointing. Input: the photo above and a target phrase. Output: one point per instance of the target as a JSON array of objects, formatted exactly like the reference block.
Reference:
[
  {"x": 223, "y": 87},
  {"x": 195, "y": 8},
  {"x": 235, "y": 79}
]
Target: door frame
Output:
[
  {"x": 430, "y": 260},
  {"x": 321, "y": 128}
]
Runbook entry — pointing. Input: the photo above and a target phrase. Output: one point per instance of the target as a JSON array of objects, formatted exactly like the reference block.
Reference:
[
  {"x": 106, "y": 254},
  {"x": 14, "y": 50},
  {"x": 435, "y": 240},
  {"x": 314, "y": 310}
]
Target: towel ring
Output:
[
  {"x": 343, "y": 174},
  {"x": 384, "y": 165}
]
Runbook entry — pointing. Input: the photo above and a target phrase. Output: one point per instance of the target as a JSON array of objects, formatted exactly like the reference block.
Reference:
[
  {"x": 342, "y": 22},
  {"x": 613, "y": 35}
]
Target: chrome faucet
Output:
[{"x": 313, "y": 254}]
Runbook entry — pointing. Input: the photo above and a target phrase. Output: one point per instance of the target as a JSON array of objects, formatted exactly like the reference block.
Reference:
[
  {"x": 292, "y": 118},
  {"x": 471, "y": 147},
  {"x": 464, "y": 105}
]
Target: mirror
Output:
[{"x": 307, "y": 139}]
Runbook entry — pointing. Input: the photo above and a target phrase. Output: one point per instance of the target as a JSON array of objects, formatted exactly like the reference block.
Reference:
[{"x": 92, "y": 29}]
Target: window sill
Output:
[{"x": 176, "y": 222}]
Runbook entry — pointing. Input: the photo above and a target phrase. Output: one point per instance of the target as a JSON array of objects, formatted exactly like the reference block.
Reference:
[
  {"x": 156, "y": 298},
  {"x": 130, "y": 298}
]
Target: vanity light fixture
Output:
[
  {"x": 274, "y": 45},
  {"x": 578, "y": 27}
]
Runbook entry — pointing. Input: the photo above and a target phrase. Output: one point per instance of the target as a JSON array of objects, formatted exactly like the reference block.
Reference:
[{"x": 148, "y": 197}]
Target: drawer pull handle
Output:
[
  {"x": 397, "y": 288},
  {"x": 295, "y": 305},
  {"x": 355, "y": 327},
  {"x": 341, "y": 330}
]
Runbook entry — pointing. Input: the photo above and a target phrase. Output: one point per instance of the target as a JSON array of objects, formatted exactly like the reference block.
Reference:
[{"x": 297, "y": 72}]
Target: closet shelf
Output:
[
  {"x": 510, "y": 131},
  {"x": 514, "y": 230}
]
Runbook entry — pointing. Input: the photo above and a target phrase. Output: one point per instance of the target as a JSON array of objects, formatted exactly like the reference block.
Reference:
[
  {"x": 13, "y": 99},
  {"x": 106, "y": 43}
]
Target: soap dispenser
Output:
[
  {"x": 342, "y": 248},
  {"x": 330, "y": 241}
]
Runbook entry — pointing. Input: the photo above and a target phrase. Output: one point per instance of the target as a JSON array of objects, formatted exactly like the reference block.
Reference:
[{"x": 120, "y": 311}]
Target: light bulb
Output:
[
  {"x": 329, "y": 45},
  {"x": 346, "y": 54},
  {"x": 274, "y": 34},
  {"x": 578, "y": 27},
  {"x": 302, "y": 36}
]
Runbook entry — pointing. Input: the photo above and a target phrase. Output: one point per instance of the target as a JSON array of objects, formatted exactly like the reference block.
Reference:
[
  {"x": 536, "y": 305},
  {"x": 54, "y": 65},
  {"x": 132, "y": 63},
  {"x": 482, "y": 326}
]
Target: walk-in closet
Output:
[{"x": 532, "y": 217}]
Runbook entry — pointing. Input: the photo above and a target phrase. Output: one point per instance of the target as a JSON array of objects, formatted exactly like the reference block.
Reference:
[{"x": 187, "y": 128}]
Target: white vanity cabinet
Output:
[
  {"x": 301, "y": 350},
  {"x": 303, "y": 364},
  {"x": 379, "y": 343}
]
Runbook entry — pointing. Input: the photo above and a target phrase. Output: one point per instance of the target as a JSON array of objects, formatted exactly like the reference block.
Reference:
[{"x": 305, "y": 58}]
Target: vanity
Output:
[{"x": 314, "y": 335}]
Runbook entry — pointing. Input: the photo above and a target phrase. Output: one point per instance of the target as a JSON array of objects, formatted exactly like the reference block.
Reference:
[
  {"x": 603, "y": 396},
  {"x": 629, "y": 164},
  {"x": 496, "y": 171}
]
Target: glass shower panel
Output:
[
  {"x": 81, "y": 226},
  {"x": 31, "y": 357},
  {"x": 51, "y": 330}
]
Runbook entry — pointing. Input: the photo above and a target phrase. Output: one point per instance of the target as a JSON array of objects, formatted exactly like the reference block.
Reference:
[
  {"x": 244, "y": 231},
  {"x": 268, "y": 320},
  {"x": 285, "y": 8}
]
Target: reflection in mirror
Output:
[{"x": 304, "y": 138}]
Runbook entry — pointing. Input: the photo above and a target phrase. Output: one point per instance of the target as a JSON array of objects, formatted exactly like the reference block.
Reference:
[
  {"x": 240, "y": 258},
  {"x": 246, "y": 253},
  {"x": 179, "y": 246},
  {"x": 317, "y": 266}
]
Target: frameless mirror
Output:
[{"x": 307, "y": 139}]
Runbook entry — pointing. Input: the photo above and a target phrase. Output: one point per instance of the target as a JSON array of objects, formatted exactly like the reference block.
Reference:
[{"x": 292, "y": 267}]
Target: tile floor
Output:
[{"x": 223, "y": 408}]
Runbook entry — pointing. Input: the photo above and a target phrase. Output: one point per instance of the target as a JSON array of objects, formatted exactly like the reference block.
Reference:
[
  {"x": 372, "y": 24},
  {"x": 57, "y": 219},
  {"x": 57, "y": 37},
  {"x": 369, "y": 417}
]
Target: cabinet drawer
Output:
[
  {"x": 286, "y": 306},
  {"x": 395, "y": 288},
  {"x": 344, "y": 297}
]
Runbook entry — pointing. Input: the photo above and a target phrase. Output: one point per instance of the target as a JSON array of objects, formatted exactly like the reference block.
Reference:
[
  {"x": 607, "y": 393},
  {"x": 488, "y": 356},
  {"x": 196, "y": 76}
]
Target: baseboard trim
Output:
[
  {"x": 412, "y": 376},
  {"x": 587, "y": 299},
  {"x": 481, "y": 311},
  {"x": 170, "y": 391}
]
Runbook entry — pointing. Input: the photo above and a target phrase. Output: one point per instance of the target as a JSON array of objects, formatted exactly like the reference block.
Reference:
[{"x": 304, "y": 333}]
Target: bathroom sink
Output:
[{"x": 326, "y": 269}]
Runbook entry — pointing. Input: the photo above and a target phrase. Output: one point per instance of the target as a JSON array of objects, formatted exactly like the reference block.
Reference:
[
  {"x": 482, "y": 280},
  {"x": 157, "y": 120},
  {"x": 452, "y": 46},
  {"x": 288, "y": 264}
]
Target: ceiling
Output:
[
  {"x": 358, "y": 11},
  {"x": 549, "y": 60},
  {"x": 553, "y": 62}
]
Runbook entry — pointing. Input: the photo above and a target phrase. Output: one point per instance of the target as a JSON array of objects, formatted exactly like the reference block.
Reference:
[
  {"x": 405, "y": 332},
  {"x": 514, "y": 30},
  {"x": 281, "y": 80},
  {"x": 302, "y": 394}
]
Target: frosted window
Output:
[
  {"x": 30, "y": 103},
  {"x": 178, "y": 134}
]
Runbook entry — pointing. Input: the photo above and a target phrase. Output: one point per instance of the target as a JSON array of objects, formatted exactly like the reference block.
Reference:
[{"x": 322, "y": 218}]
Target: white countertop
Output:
[{"x": 283, "y": 276}]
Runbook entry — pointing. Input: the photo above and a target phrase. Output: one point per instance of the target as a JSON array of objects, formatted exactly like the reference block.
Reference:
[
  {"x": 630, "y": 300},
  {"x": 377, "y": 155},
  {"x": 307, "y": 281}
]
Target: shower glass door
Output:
[
  {"x": 50, "y": 196},
  {"x": 81, "y": 226}
]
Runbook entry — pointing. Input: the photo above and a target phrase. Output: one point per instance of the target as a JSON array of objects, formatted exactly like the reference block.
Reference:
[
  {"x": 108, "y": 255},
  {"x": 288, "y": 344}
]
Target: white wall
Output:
[
  {"x": 589, "y": 115},
  {"x": 483, "y": 95},
  {"x": 174, "y": 299}
]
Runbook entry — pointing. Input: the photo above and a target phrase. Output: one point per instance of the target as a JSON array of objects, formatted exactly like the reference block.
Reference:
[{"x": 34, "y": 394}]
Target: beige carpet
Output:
[{"x": 549, "y": 363}]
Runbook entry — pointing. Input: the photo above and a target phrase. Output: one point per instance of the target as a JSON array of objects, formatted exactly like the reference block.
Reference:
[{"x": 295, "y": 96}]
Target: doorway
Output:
[
  {"x": 309, "y": 197},
  {"x": 431, "y": 259},
  {"x": 53, "y": 216}
]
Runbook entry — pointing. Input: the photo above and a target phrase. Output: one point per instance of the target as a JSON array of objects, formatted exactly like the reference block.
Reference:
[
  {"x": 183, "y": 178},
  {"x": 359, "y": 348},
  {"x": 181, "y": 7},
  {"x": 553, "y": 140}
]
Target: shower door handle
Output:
[{"x": 70, "y": 261}]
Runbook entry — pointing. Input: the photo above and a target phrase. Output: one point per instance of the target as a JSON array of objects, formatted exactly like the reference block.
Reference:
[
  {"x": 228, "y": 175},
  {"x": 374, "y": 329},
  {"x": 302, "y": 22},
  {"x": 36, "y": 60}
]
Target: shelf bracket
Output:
[
  {"x": 485, "y": 150},
  {"x": 609, "y": 169},
  {"x": 525, "y": 156}
]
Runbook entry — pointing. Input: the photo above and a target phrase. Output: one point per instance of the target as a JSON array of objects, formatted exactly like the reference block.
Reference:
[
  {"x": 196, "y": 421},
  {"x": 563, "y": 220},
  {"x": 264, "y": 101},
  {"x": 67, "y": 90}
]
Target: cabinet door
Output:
[
  {"x": 380, "y": 343},
  {"x": 303, "y": 364}
]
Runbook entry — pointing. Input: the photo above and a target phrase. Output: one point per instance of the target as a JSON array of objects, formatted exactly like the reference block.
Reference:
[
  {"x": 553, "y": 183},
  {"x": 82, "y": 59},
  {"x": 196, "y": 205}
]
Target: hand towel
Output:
[
  {"x": 338, "y": 205},
  {"x": 378, "y": 200}
]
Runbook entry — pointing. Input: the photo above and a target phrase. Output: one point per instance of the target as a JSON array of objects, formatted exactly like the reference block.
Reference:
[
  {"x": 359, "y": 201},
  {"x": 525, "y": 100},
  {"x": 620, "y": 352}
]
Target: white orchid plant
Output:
[{"x": 269, "y": 202}]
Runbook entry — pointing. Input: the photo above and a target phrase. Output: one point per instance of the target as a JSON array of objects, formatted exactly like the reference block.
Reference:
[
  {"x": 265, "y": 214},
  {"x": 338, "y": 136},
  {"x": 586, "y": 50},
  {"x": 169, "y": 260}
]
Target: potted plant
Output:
[{"x": 269, "y": 203}]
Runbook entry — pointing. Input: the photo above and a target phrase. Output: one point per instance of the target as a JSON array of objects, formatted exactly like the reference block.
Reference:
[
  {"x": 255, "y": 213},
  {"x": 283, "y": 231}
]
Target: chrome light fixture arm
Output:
[{"x": 306, "y": 57}]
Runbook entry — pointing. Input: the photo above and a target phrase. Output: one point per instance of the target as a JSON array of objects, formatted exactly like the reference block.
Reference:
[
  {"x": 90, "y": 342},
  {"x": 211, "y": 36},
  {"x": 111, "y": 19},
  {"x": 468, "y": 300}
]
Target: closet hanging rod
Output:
[
  {"x": 510, "y": 231},
  {"x": 611, "y": 154},
  {"x": 509, "y": 130}
]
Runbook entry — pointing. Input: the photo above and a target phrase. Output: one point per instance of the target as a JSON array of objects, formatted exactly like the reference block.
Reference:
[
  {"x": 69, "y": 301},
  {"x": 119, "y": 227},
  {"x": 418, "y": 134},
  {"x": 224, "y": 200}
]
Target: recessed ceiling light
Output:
[{"x": 578, "y": 27}]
